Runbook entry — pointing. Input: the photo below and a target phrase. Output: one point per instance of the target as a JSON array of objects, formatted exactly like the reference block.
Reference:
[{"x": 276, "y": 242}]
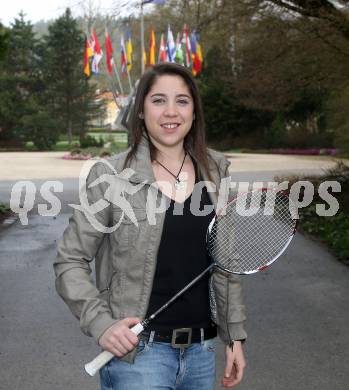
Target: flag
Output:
[
  {"x": 97, "y": 53},
  {"x": 129, "y": 52},
  {"x": 145, "y": 57},
  {"x": 162, "y": 51},
  {"x": 123, "y": 56},
  {"x": 87, "y": 59},
  {"x": 187, "y": 47},
  {"x": 196, "y": 54},
  {"x": 199, "y": 52},
  {"x": 152, "y": 48},
  {"x": 108, "y": 51},
  {"x": 171, "y": 49},
  {"x": 179, "y": 50}
]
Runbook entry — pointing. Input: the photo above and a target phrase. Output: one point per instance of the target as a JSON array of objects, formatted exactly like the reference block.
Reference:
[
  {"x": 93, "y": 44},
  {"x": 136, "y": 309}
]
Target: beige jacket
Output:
[{"x": 125, "y": 260}]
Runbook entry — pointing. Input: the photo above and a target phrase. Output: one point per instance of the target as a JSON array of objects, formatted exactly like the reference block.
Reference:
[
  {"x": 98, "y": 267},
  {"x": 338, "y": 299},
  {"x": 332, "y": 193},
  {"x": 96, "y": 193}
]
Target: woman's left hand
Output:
[{"x": 234, "y": 366}]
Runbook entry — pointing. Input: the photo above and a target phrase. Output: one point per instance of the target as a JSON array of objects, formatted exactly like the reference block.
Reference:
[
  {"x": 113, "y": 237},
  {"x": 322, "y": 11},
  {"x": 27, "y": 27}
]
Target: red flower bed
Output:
[
  {"x": 307, "y": 152},
  {"x": 77, "y": 156}
]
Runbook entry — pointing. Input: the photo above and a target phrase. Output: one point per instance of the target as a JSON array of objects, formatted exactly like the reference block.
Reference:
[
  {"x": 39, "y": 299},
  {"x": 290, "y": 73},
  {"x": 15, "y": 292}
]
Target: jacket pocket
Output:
[
  {"x": 131, "y": 227},
  {"x": 105, "y": 291},
  {"x": 142, "y": 347}
]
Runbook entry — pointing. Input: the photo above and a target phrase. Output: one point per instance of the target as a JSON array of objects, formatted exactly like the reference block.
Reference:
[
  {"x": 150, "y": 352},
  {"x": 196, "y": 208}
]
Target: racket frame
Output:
[
  {"x": 104, "y": 357},
  {"x": 219, "y": 214}
]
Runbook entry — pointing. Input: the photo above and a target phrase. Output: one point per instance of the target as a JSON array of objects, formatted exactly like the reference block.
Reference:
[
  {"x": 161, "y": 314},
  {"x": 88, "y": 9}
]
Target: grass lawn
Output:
[
  {"x": 5, "y": 211},
  {"x": 333, "y": 230},
  {"x": 120, "y": 137},
  {"x": 119, "y": 140}
]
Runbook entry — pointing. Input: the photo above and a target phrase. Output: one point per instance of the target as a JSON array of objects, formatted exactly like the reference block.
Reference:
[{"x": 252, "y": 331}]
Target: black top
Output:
[{"x": 182, "y": 256}]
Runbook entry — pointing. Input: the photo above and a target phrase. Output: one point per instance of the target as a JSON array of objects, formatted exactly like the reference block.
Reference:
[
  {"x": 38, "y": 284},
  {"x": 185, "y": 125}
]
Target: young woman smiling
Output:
[{"x": 142, "y": 267}]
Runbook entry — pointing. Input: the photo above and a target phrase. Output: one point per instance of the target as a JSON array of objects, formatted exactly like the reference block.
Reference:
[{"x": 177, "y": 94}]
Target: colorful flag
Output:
[
  {"x": 187, "y": 46},
  {"x": 108, "y": 51},
  {"x": 196, "y": 54},
  {"x": 152, "y": 48},
  {"x": 145, "y": 57},
  {"x": 179, "y": 58},
  {"x": 87, "y": 59},
  {"x": 129, "y": 52},
  {"x": 171, "y": 48},
  {"x": 123, "y": 56},
  {"x": 162, "y": 51},
  {"x": 97, "y": 54},
  {"x": 199, "y": 52}
]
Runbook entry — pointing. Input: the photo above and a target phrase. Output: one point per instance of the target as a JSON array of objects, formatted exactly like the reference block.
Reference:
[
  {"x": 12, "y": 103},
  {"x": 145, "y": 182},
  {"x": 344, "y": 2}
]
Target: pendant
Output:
[{"x": 179, "y": 185}]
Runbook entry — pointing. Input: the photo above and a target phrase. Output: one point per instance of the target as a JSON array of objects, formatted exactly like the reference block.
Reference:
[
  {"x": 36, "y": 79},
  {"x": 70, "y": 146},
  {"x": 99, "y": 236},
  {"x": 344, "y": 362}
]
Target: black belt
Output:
[{"x": 182, "y": 337}]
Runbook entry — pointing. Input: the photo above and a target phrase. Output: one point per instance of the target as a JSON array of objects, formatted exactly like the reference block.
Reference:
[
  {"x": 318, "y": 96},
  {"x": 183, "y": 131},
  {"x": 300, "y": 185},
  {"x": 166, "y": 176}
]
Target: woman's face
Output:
[{"x": 168, "y": 111}]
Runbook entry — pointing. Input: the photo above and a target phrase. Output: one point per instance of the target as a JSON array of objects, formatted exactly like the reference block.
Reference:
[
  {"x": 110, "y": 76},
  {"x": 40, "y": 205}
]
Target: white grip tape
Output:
[
  {"x": 104, "y": 357},
  {"x": 137, "y": 329}
]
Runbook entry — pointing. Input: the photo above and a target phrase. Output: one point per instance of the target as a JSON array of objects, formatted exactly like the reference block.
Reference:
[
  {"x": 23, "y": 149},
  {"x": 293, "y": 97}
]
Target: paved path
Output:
[
  {"x": 298, "y": 319},
  {"x": 48, "y": 165},
  {"x": 298, "y": 310}
]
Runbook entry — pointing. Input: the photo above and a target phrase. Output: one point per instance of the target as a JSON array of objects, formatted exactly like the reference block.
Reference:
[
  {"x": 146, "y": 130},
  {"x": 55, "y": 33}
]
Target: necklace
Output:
[{"x": 179, "y": 185}]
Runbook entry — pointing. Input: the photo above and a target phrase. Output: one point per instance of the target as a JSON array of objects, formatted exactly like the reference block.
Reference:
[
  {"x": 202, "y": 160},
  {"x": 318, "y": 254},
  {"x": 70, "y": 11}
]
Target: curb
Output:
[{"x": 8, "y": 221}]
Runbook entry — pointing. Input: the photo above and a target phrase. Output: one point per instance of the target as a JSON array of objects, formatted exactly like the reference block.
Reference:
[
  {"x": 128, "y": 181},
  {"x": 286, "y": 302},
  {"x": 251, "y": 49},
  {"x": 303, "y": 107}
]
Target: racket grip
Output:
[
  {"x": 98, "y": 362},
  {"x": 137, "y": 329},
  {"x": 104, "y": 357}
]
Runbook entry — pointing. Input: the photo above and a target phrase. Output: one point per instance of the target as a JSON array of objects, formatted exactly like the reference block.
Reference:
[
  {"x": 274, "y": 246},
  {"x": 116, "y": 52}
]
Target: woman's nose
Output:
[{"x": 171, "y": 109}]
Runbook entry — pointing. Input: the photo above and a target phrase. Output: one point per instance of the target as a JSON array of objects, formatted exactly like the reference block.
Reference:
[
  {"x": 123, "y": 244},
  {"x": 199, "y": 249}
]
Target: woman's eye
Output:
[
  {"x": 158, "y": 101},
  {"x": 183, "y": 102}
]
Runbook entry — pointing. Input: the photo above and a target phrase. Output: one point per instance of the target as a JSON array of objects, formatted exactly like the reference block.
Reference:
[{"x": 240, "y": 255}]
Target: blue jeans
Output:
[{"x": 160, "y": 366}]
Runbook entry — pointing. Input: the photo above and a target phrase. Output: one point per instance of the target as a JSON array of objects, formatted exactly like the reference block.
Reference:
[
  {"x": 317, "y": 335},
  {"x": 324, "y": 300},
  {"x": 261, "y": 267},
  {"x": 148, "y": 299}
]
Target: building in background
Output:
[{"x": 108, "y": 118}]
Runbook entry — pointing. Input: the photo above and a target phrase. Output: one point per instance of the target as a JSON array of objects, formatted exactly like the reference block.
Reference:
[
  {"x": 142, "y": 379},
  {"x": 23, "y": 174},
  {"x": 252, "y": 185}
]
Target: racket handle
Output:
[
  {"x": 98, "y": 362},
  {"x": 104, "y": 357},
  {"x": 137, "y": 329}
]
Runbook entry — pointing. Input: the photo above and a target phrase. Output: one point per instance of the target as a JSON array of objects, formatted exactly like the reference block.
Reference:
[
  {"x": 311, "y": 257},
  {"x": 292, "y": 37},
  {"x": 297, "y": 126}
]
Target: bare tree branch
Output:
[{"x": 320, "y": 9}]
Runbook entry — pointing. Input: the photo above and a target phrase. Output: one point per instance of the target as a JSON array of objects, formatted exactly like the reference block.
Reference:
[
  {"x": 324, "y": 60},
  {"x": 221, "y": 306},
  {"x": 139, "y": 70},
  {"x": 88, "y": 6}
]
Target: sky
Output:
[{"x": 36, "y": 10}]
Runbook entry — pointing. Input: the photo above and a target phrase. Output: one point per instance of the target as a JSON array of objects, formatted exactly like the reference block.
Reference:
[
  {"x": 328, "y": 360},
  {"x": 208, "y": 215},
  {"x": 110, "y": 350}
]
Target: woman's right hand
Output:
[{"x": 119, "y": 339}]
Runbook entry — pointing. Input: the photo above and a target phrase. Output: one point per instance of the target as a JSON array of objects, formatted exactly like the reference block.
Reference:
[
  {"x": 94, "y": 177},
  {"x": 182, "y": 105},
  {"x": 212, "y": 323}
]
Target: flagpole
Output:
[
  {"x": 142, "y": 39},
  {"x": 159, "y": 54},
  {"x": 113, "y": 88},
  {"x": 112, "y": 82},
  {"x": 117, "y": 76},
  {"x": 129, "y": 79}
]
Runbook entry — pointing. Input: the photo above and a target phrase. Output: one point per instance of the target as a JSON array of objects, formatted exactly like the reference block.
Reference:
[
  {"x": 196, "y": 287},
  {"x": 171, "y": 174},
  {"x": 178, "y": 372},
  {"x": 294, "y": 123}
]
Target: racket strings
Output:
[
  {"x": 269, "y": 239},
  {"x": 243, "y": 243}
]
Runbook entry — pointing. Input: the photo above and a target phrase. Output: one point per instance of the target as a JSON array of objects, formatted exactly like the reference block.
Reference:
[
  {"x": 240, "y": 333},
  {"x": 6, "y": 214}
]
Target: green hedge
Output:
[
  {"x": 334, "y": 231},
  {"x": 4, "y": 211}
]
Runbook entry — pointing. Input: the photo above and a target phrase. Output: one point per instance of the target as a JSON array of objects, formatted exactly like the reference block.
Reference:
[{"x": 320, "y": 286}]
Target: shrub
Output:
[
  {"x": 90, "y": 141},
  {"x": 334, "y": 230},
  {"x": 41, "y": 129}
]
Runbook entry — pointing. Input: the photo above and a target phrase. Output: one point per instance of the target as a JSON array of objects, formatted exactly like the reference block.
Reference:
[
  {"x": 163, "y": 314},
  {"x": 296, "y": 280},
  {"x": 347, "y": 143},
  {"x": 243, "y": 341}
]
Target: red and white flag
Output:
[
  {"x": 108, "y": 52},
  {"x": 97, "y": 53},
  {"x": 163, "y": 50}
]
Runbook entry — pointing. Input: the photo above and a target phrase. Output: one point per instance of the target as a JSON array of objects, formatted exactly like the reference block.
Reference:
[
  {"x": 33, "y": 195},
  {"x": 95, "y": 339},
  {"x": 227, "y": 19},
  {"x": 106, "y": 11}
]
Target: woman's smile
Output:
[{"x": 168, "y": 111}]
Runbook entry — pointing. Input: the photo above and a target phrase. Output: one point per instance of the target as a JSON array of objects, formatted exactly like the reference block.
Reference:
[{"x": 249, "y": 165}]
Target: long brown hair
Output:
[{"x": 195, "y": 140}]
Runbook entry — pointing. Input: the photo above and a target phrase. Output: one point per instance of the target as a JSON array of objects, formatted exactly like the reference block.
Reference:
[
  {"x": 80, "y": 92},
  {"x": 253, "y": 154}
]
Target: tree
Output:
[
  {"x": 18, "y": 81},
  {"x": 70, "y": 98},
  {"x": 337, "y": 112},
  {"x": 334, "y": 13},
  {"x": 4, "y": 35},
  {"x": 228, "y": 120}
]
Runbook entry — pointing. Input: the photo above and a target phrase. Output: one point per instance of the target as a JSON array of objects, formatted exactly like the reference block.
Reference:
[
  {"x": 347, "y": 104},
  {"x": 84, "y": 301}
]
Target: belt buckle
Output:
[{"x": 175, "y": 333}]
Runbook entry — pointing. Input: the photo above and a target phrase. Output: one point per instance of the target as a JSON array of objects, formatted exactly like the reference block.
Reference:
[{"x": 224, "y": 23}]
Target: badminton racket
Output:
[{"x": 245, "y": 237}]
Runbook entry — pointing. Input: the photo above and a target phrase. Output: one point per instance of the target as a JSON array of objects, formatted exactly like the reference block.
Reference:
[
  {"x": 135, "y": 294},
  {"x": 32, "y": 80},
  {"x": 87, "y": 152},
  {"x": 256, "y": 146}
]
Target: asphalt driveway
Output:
[{"x": 298, "y": 311}]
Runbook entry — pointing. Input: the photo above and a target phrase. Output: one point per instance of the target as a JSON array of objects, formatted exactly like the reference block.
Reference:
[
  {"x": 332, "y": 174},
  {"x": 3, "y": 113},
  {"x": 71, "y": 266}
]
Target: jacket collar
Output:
[
  {"x": 141, "y": 164},
  {"x": 143, "y": 171}
]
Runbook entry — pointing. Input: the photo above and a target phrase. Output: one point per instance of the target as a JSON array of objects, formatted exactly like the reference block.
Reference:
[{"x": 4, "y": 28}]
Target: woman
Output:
[{"x": 142, "y": 264}]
